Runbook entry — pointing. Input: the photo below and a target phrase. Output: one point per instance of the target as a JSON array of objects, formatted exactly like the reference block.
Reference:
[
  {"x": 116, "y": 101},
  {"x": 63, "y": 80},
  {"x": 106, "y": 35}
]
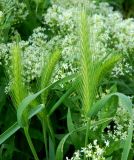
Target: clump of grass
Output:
[
  {"x": 18, "y": 88},
  {"x": 92, "y": 70},
  {"x": 45, "y": 80}
]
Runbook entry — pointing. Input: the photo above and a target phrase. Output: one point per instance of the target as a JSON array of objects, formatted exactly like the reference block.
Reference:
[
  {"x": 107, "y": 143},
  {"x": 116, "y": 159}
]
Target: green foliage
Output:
[
  {"x": 21, "y": 14},
  {"x": 66, "y": 88}
]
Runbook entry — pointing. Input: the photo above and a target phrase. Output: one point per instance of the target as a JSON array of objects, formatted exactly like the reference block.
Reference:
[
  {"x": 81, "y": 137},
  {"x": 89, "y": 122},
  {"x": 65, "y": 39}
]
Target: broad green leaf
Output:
[
  {"x": 110, "y": 108},
  {"x": 63, "y": 97},
  {"x": 108, "y": 111}
]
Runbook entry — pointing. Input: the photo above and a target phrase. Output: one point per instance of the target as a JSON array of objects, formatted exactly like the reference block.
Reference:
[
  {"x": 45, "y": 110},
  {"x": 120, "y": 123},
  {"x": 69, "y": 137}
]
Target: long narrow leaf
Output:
[
  {"x": 23, "y": 106},
  {"x": 123, "y": 100},
  {"x": 57, "y": 104},
  {"x": 127, "y": 104},
  {"x": 15, "y": 127},
  {"x": 10, "y": 131},
  {"x": 128, "y": 142},
  {"x": 59, "y": 152},
  {"x": 51, "y": 150},
  {"x": 71, "y": 127}
]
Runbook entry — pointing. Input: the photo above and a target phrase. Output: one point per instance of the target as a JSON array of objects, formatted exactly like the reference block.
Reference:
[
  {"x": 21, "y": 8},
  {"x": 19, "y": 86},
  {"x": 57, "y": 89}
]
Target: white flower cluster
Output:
[
  {"x": 3, "y": 53},
  {"x": 114, "y": 34},
  {"x": 92, "y": 151},
  {"x": 60, "y": 20},
  {"x": 34, "y": 54},
  {"x": 60, "y": 30},
  {"x": 119, "y": 127},
  {"x": 68, "y": 64},
  {"x": 17, "y": 11},
  {"x": 20, "y": 12},
  {"x": 123, "y": 68}
]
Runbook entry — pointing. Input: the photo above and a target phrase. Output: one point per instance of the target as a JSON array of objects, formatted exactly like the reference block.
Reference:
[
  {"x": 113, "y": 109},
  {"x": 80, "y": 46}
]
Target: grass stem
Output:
[
  {"x": 87, "y": 134},
  {"x": 45, "y": 136},
  {"x": 30, "y": 143}
]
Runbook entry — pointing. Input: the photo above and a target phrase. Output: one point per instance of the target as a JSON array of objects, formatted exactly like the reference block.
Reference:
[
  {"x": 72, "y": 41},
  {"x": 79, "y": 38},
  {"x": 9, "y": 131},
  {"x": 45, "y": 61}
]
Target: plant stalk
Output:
[
  {"x": 30, "y": 143},
  {"x": 87, "y": 133},
  {"x": 44, "y": 128}
]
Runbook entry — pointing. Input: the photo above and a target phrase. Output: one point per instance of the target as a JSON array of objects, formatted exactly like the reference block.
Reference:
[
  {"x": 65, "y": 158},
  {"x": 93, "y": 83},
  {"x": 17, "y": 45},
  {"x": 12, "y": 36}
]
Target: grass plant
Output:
[{"x": 66, "y": 85}]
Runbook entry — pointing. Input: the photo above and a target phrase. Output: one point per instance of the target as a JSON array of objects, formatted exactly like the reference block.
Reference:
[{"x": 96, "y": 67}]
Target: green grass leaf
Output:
[
  {"x": 123, "y": 100},
  {"x": 70, "y": 124},
  {"x": 59, "y": 152},
  {"x": 51, "y": 149},
  {"x": 15, "y": 127},
  {"x": 127, "y": 104},
  {"x": 57, "y": 104},
  {"x": 60, "y": 148},
  {"x": 71, "y": 127},
  {"x": 128, "y": 142},
  {"x": 9, "y": 132}
]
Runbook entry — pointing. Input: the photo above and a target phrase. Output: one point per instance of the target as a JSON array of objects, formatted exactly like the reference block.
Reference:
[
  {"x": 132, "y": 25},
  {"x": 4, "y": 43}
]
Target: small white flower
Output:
[
  {"x": 90, "y": 146},
  {"x": 95, "y": 142},
  {"x": 99, "y": 151},
  {"x": 107, "y": 143}
]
